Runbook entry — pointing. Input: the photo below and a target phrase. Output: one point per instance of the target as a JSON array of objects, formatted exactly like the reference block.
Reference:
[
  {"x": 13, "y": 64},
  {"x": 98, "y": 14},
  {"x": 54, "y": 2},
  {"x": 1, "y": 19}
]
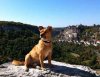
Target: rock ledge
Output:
[{"x": 59, "y": 69}]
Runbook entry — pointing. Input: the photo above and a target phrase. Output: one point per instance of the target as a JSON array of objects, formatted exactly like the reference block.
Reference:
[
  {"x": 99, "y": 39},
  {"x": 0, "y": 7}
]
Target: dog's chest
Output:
[{"x": 47, "y": 51}]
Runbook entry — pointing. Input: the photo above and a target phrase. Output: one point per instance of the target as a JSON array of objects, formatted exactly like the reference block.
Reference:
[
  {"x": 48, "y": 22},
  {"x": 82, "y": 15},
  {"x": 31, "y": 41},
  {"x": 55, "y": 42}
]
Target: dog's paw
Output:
[
  {"x": 43, "y": 69},
  {"x": 26, "y": 69},
  {"x": 38, "y": 67}
]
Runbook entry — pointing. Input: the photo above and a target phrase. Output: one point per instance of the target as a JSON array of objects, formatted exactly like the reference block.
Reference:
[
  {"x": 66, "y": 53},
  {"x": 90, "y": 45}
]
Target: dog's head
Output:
[{"x": 45, "y": 33}]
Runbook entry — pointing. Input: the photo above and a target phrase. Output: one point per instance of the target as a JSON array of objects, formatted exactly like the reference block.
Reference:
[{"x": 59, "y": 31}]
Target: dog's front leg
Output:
[
  {"x": 41, "y": 61},
  {"x": 49, "y": 58},
  {"x": 27, "y": 62}
]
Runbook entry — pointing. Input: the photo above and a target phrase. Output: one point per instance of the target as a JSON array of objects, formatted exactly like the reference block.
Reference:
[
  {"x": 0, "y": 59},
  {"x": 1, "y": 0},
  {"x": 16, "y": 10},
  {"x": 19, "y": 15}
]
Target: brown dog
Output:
[{"x": 40, "y": 51}]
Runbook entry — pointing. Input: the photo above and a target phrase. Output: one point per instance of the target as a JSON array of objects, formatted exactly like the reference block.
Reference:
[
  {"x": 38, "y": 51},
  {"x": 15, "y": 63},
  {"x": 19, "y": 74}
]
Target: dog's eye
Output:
[{"x": 43, "y": 36}]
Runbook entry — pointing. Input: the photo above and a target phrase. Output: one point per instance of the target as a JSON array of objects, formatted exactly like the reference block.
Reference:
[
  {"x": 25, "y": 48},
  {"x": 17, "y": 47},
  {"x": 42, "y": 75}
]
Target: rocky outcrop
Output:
[
  {"x": 68, "y": 34},
  {"x": 58, "y": 69}
]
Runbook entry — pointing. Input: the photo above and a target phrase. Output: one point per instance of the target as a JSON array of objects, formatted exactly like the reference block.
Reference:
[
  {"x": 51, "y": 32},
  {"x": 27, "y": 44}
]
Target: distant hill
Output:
[
  {"x": 16, "y": 39},
  {"x": 57, "y": 31},
  {"x": 10, "y": 25},
  {"x": 68, "y": 45},
  {"x": 68, "y": 34},
  {"x": 79, "y": 32}
]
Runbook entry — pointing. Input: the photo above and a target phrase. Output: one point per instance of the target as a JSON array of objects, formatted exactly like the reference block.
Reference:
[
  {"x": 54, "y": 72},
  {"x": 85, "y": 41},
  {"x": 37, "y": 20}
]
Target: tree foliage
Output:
[
  {"x": 62, "y": 51},
  {"x": 16, "y": 40}
]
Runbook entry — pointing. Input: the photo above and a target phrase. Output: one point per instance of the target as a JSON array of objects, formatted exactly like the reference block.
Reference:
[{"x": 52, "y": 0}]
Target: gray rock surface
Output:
[{"x": 58, "y": 69}]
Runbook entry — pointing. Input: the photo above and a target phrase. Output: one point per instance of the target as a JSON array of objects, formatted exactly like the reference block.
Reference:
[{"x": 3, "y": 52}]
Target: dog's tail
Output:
[{"x": 17, "y": 63}]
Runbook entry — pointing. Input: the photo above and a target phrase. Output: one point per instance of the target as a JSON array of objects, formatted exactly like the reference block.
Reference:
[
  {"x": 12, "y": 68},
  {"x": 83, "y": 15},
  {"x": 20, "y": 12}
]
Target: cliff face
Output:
[
  {"x": 68, "y": 34},
  {"x": 59, "y": 69}
]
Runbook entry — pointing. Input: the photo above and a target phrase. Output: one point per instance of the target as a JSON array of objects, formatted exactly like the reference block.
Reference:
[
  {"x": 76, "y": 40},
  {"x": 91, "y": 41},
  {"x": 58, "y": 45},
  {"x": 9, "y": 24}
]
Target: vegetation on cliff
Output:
[{"x": 17, "y": 39}]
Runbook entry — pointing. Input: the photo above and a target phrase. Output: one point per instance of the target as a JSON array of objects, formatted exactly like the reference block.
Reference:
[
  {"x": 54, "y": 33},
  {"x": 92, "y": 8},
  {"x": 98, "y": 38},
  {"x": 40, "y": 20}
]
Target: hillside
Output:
[
  {"x": 78, "y": 33},
  {"x": 57, "y": 31},
  {"x": 78, "y": 45},
  {"x": 16, "y": 40},
  {"x": 10, "y": 25}
]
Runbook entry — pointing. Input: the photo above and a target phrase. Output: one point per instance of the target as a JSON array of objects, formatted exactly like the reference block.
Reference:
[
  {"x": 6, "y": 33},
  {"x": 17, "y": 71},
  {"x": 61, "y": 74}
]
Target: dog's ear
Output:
[
  {"x": 49, "y": 28},
  {"x": 41, "y": 27}
]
